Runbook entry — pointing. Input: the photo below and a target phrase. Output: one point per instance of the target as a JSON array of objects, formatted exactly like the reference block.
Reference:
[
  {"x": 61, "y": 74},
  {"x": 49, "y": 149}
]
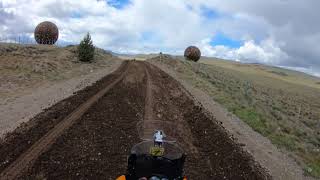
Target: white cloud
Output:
[
  {"x": 274, "y": 32},
  {"x": 267, "y": 52},
  {"x": 292, "y": 22}
]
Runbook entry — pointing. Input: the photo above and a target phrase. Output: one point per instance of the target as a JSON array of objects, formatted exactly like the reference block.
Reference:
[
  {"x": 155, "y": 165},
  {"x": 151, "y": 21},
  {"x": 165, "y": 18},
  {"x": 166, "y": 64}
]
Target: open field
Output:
[{"x": 276, "y": 103}]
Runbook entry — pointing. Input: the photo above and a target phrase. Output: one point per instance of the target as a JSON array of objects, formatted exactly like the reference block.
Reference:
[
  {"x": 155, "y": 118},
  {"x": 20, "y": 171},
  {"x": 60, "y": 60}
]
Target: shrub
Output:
[
  {"x": 253, "y": 119},
  {"x": 284, "y": 140},
  {"x": 86, "y": 49}
]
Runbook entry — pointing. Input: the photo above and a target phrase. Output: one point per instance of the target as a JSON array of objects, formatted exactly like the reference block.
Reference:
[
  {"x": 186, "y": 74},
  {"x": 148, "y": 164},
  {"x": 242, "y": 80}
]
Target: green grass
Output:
[
  {"x": 253, "y": 119},
  {"x": 285, "y": 141},
  {"x": 282, "y": 105},
  {"x": 313, "y": 169}
]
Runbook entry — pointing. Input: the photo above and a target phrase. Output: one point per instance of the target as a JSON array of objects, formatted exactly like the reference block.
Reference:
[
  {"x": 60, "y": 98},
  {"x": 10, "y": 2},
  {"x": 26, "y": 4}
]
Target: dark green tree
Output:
[{"x": 86, "y": 49}]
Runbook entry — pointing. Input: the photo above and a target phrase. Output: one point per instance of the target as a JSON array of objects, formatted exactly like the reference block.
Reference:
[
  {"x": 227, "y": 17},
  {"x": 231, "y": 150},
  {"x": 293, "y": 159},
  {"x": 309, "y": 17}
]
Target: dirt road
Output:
[{"x": 89, "y": 135}]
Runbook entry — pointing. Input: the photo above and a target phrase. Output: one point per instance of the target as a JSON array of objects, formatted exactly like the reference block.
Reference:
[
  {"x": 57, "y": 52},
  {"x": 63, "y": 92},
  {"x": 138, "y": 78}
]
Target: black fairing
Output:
[{"x": 147, "y": 166}]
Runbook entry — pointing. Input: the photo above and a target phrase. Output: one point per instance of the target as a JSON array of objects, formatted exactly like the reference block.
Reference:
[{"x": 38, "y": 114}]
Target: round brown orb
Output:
[
  {"x": 192, "y": 53},
  {"x": 46, "y": 33}
]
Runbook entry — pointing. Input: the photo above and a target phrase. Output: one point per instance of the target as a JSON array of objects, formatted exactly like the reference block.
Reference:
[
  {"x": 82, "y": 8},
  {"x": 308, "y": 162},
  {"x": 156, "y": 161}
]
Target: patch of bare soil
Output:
[
  {"x": 16, "y": 142},
  {"x": 97, "y": 146}
]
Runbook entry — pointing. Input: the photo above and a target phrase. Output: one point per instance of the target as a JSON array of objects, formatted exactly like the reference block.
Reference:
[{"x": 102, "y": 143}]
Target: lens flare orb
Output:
[
  {"x": 46, "y": 33},
  {"x": 192, "y": 53}
]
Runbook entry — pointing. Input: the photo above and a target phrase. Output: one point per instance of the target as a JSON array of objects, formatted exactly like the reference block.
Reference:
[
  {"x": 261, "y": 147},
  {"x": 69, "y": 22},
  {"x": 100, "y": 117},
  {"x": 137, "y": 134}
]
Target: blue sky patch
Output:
[
  {"x": 189, "y": 7},
  {"x": 150, "y": 37},
  {"x": 221, "y": 39},
  {"x": 118, "y": 4},
  {"x": 209, "y": 13},
  {"x": 76, "y": 14},
  {"x": 147, "y": 35}
]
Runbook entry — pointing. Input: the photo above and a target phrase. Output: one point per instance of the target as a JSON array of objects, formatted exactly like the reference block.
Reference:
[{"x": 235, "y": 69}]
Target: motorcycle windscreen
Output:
[
  {"x": 146, "y": 166},
  {"x": 146, "y": 130}
]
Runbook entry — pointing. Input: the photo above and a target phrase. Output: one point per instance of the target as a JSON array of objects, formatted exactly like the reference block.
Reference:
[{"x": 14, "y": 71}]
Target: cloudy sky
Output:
[{"x": 275, "y": 32}]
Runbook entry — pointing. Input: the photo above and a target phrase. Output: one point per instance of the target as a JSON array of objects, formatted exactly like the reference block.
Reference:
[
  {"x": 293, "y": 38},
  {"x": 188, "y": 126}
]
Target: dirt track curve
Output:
[{"x": 89, "y": 135}]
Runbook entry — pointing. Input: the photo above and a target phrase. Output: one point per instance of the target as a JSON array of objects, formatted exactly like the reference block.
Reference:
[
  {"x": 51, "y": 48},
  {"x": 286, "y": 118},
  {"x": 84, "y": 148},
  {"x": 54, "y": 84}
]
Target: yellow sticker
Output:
[{"x": 157, "y": 151}]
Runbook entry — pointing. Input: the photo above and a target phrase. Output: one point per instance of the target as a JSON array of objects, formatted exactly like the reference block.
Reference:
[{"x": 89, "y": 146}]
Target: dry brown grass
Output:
[{"x": 27, "y": 66}]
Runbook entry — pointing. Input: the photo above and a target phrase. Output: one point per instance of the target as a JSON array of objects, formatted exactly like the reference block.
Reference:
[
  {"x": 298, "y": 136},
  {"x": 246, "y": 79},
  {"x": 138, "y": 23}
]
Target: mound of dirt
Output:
[
  {"x": 42, "y": 58},
  {"x": 27, "y": 66}
]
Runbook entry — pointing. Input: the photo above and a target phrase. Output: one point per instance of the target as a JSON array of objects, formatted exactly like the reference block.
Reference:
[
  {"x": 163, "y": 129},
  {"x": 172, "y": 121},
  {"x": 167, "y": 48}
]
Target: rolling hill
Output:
[{"x": 282, "y": 105}]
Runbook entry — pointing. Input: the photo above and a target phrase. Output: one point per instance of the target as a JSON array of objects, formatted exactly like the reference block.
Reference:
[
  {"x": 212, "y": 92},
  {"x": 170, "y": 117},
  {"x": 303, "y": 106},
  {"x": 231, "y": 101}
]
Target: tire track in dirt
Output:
[
  {"x": 148, "y": 123},
  {"x": 30, "y": 132},
  {"x": 97, "y": 145},
  {"x": 211, "y": 152},
  {"x": 174, "y": 128},
  {"x": 155, "y": 118},
  {"x": 169, "y": 117},
  {"x": 43, "y": 144}
]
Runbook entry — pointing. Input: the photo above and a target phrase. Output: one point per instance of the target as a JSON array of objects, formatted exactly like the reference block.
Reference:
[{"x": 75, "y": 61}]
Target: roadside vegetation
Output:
[
  {"x": 27, "y": 66},
  {"x": 285, "y": 111},
  {"x": 86, "y": 49}
]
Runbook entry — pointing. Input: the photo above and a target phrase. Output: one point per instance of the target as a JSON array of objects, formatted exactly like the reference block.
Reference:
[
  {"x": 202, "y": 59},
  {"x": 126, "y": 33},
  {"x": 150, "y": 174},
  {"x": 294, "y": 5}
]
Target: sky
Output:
[{"x": 282, "y": 33}]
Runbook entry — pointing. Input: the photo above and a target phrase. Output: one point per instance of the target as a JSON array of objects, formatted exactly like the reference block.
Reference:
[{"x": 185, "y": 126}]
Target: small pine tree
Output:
[{"x": 86, "y": 49}]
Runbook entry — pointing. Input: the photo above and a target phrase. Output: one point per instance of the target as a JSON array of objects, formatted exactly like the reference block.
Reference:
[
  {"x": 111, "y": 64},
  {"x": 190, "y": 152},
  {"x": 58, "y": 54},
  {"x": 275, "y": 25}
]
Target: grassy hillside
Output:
[
  {"x": 267, "y": 71},
  {"x": 27, "y": 66},
  {"x": 280, "y": 104}
]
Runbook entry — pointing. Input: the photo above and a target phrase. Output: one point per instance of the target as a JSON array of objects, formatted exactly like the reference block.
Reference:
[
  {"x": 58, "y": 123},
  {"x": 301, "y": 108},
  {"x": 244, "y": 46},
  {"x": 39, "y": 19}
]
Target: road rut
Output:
[{"x": 97, "y": 144}]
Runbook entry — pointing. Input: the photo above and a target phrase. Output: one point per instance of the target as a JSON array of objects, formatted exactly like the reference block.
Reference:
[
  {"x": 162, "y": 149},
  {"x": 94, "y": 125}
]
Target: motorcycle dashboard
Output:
[{"x": 169, "y": 150}]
